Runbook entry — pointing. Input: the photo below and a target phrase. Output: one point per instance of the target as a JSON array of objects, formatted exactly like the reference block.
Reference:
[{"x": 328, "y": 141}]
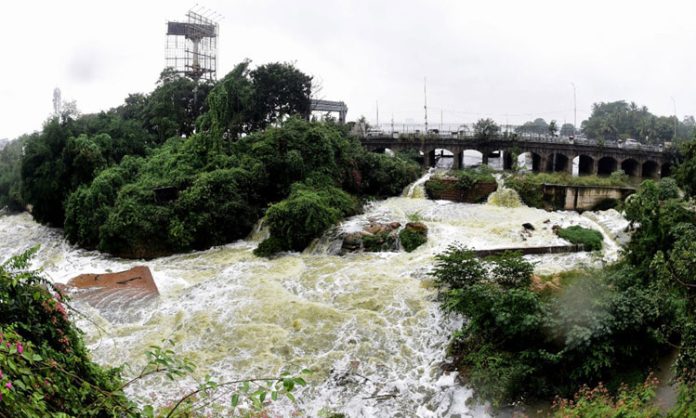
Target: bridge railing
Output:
[{"x": 509, "y": 136}]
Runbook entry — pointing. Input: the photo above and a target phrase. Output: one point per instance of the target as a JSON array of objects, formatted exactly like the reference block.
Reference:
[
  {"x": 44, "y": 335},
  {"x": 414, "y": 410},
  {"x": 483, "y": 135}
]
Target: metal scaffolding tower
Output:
[{"x": 192, "y": 46}]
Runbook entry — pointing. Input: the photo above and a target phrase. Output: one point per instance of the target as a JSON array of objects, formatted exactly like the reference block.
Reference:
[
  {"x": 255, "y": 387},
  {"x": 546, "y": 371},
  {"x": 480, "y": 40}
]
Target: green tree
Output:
[
  {"x": 249, "y": 100},
  {"x": 567, "y": 129},
  {"x": 685, "y": 172},
  {"x": 174, "y": 106},
  {"x": 10, "y": 174},
  {"x": 486, "y": 128}
]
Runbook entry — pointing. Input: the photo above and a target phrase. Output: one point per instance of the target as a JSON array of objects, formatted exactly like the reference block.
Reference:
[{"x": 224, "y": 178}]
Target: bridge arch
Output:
[
  {"x": 384, "y": 150},
  {"x": 530, "y": 161},
  {"x": 606, "y": 166},
  {"x": 586, "y": 165},
  {"x": 558, "y": 162},
  {"x": 631, "y": 167},
  {"x": 651, "y": 169},
  {"x": 471, "y": 157},
  {"x": 666, "y": 170}
]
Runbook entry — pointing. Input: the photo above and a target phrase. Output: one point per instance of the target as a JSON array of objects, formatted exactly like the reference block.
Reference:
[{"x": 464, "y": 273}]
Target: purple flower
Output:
[
  {"x": 8, "y": 385},
  {"x": 20, "y": 348}
]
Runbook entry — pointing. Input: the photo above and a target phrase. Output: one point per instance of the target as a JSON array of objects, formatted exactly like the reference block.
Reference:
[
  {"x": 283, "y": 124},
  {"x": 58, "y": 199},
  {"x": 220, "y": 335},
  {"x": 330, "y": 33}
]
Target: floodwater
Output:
[{"x": 368, "y": 324}]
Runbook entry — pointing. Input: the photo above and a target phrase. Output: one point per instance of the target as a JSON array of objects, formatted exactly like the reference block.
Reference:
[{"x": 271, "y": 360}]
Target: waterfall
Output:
[{"x": 504, "y": 196}]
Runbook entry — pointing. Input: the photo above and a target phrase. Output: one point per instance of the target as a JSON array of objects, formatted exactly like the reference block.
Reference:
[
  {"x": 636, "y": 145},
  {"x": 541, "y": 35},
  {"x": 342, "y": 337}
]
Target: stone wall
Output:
[
  {"x": 582, "y": 198},
  {"x": 447, "y": 189}
]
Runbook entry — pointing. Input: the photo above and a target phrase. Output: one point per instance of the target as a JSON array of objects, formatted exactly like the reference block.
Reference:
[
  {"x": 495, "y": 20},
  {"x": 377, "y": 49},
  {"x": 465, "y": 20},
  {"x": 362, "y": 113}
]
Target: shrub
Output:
[
  {"x": 306, "y": 214},
  {"x": 379, "y": 242},
  {"x": 589, "y": 238},
  {"x": 635, "y": 402},
  {"x": 458, "y": 267},
  {"x": 412, "y": 239},
  {"x": 510, "y": 270},
  {"x": 46, "y": 369},
  {"x": 531, "y": 193}
]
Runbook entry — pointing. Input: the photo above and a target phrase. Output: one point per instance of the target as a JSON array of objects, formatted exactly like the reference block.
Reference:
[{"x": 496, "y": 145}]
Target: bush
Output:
[
  {"x": 589, "y": 238},
  {"x": 411, "y": 238},
  {"x": 46, "y": 369},
  {"x": 306, "y": 214},
  {"x": 531, "y": 193},
  {"x": 510, "y": 270},
  {"x": 636, "y": 402},
  {"x": 518, "y": 343}
]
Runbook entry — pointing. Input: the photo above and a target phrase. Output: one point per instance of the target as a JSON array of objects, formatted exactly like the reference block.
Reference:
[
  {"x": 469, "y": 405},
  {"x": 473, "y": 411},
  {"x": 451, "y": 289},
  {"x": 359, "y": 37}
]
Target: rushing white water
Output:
[{"x": 368, "y": 324}]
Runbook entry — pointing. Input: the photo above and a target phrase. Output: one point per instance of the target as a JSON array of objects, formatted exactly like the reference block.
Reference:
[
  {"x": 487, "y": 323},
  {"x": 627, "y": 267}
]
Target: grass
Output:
[{"x": 616, "y": 179}]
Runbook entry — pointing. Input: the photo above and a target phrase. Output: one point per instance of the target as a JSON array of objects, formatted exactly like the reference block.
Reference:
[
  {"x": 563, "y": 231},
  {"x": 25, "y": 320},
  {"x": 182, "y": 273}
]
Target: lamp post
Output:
[{"x": 575, "y": 111}]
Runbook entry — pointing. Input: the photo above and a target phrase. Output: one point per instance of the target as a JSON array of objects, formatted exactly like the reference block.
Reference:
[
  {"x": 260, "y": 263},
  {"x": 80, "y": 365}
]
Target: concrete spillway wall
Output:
[{"x": 582, "y": 198}]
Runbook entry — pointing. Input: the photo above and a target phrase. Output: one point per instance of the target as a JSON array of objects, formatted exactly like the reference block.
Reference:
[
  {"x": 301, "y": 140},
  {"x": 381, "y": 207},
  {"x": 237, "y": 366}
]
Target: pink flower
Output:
[
  {"x": 0, "y": 374},
  {"x": 8, "y": 385},
  {"x": 20, "y": 348}
]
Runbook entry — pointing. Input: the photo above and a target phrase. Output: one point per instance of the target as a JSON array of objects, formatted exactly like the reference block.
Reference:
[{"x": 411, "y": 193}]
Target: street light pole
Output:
[{"x": 575, "y": 111}]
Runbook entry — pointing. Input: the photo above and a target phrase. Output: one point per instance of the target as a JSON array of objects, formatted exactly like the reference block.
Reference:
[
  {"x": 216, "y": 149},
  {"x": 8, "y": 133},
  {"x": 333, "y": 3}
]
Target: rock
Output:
[
  {"x": 419, "y": 227},
  {"x": 528, "y": 226},
  {"x": 122, "y": 287},
  {"x": 376, "y": 228},
  {"x": 375, "y": 237},
  {"x": 538, "y": 285},
  {"x": 138, "y": 277},
  {"x": 352, "y": 241}
]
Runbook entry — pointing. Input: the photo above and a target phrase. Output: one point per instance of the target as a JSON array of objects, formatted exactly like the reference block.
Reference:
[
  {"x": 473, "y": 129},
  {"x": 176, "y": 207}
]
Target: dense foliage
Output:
[
  {"x": 195, "y": 164},
  {"x": 685, "y": 173},
  {"x": 306, "y": 214},
  {"x": 413, "y": 236},
  {"x": 45, "y": 369},
  {"x": 608, "y": 325},
  {"x": 619, "y": 120},
  {"x": 10, "y": 175},
  {"x": 589, "y": 238}
]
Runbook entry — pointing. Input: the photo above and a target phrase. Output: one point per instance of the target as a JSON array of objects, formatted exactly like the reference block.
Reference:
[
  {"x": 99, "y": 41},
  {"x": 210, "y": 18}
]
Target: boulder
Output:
[
  {"x": 419, "y": 227},
  {"x": 352, "y": 241},
  {"x": 527, "y": 226},
  {"x": 138, "y": 277},
  {"x": 121, "y": 288},
  {"x": 376, "y": 228}
]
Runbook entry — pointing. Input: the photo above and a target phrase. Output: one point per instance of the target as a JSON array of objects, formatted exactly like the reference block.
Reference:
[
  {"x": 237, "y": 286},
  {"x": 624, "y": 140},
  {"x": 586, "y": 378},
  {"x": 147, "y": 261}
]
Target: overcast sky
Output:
[{"x": 510, "y": 60}]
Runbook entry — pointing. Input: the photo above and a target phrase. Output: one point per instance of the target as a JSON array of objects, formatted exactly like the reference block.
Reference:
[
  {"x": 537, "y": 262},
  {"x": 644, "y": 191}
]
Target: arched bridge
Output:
[{"x": 548, "y": 154}]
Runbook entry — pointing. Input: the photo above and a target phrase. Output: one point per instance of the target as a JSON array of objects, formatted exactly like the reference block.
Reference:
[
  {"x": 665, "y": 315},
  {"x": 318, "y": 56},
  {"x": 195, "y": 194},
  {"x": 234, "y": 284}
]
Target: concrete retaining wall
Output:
[
  {"x": 581, "y": 198},
  {"x": 447, "y": 189}
]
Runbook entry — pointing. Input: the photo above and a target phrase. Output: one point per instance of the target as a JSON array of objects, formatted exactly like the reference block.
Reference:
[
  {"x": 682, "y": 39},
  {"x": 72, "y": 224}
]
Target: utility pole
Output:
[
  {"x": 425, "y": 103},
  {"x": 674, "y": 102},
  {"x": 377, "y": 108},
  {"x": 575, "y": 111},
  {"x": 392, "y": 124}
]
